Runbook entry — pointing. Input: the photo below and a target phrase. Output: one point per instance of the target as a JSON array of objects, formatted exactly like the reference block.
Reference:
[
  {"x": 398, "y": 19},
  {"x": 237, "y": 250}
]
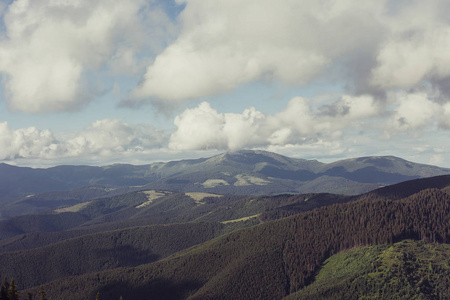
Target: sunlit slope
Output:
[{"x": 405, "y": 270}]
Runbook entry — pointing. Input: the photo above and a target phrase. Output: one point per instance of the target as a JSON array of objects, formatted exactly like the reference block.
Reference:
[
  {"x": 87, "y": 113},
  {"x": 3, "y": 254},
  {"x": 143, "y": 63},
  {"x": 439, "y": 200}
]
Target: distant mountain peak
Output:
[
  {"x": 241, "y": 172},
  {"x": 254, "y": 157}
]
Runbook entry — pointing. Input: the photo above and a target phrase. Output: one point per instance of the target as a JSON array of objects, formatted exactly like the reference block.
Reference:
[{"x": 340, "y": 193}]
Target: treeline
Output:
[
  {"x": 8, "y": 291},
  {"x": 405, "y": 270},
  {"x": 283, "y": 206},
  {"x": 425, "y": 215},
  {"x": 407, "y": 188}
]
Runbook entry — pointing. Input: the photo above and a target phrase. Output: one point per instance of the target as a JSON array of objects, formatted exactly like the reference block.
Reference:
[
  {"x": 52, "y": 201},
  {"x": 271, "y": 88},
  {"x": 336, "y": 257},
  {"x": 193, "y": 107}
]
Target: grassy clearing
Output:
[
  {"x": 74, "y": 208},
  {"x": 152, "y": 195},
  {"x": 243, "y": 180},
  {"x": 405, "y": 270},
  {"x": 212, "y": 183},
  {"x": 198, "y": 197},
  {"x": 240, "y": 219}
]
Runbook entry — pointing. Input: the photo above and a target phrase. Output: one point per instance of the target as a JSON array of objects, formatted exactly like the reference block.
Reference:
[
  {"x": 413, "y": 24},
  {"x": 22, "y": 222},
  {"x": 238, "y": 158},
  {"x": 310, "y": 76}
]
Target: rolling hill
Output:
[
  {"x": 210, "y": 246},
  {"x": 27, "y": 190},
  {"x": 283, "y": 257},
  {"x": 152, "y": 208}
]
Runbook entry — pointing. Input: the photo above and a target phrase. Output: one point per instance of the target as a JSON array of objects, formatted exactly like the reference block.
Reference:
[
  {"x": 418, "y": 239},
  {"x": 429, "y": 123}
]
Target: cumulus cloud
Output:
[
  {"x": 53, "y": 49},
  {"x": 103, "y": 138},
  {"x": 416, "y": 48},
  {"x": 351, "y": 126},
  {"x": 107, "y": 137},
  {"x": 368, "y": 46},
  {"x": 227, "y": 43},
  {"x": 25, "y": 142},
  {"x": 205, "y": 128},
  {"x": 198, "y": 128},
  {"x": 413, "y": 111},
  {"x": 389, "y": 57}
]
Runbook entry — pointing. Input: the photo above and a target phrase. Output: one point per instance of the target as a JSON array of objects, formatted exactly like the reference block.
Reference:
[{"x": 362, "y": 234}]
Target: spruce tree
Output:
[
  {"x": 13, "y": 293},
  {"x": 4, "y": 290},
  {"x": 42, "y": 294}
]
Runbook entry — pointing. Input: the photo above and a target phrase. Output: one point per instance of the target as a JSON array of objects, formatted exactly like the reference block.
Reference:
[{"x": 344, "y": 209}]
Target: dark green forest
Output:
[
  {"x": 238, "y": 247},
  {"x": 274, "y": 259}
]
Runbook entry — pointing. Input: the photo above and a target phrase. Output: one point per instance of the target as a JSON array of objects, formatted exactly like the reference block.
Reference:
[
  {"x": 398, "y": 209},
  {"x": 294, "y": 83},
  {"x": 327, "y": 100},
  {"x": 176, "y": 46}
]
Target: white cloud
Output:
[
  {"x": 353, "y": 121},
  {"x": 25, "y": 142},
  {"x": 319, "y": 149},
  {"x": 367, "y": 46},
  {"x": 227, "y": 43},
  {"x": 414, "y": 111},
  {"x": 444, "y": 121},
  {"x": 437, "y": 159},
  {"x": 199, "y": 128},
  {"x": 391, "y": 57},
  {"x": 51, "y": 47},
  {"x": 205, "y": 128},
  {"x": 243, "y": 129},
  {"x": 361, "y": 107},
  {"x": 105, "y": 138},
  {"x": 54, "y": 50},
  {"x": 416, "y": 47}
]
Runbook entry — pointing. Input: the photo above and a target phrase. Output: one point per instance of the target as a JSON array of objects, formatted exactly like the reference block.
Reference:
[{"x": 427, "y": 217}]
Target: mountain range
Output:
[
  {"x": 28, "y": 190},
  {"x": 241, "y": 225}
]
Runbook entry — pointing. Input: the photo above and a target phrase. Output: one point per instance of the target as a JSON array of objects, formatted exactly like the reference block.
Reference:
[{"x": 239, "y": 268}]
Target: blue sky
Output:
[{"x": 101, "y": 82}]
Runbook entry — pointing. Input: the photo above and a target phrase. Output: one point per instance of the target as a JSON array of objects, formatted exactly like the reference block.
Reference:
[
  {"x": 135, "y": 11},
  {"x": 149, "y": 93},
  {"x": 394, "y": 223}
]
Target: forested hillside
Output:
[
  {"x": 152, "y": 207},
  {"x": 271, "y": 260},
  {"x": 106, "y": 250},
  {"x": 405, "y": 270}
]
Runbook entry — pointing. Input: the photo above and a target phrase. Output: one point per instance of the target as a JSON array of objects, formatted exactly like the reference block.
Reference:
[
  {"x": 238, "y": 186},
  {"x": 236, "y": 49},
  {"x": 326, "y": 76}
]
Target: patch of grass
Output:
[
  {"x": 198, "y": 197},
  {"x": 212, "y": 183},
  {"x": 243, "y": 180},
  {"x": 240, "y": 219},
  {"x": 73, "y": 208},
  {"x": 406, "y": 270},
  {"x": 152, "y": 195}
]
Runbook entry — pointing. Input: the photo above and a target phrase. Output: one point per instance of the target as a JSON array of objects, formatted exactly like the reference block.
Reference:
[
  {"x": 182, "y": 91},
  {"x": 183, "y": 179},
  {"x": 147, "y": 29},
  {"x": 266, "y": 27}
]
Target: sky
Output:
[{"x": 138, "y": 81}]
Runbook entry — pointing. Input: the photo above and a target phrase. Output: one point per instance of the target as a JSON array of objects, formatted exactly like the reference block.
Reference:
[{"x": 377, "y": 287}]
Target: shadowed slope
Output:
[{"x": 277, "y": 258}]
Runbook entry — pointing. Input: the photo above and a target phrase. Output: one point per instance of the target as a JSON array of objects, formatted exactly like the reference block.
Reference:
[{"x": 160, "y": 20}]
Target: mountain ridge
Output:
[{"x": 244, "y": 172}]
